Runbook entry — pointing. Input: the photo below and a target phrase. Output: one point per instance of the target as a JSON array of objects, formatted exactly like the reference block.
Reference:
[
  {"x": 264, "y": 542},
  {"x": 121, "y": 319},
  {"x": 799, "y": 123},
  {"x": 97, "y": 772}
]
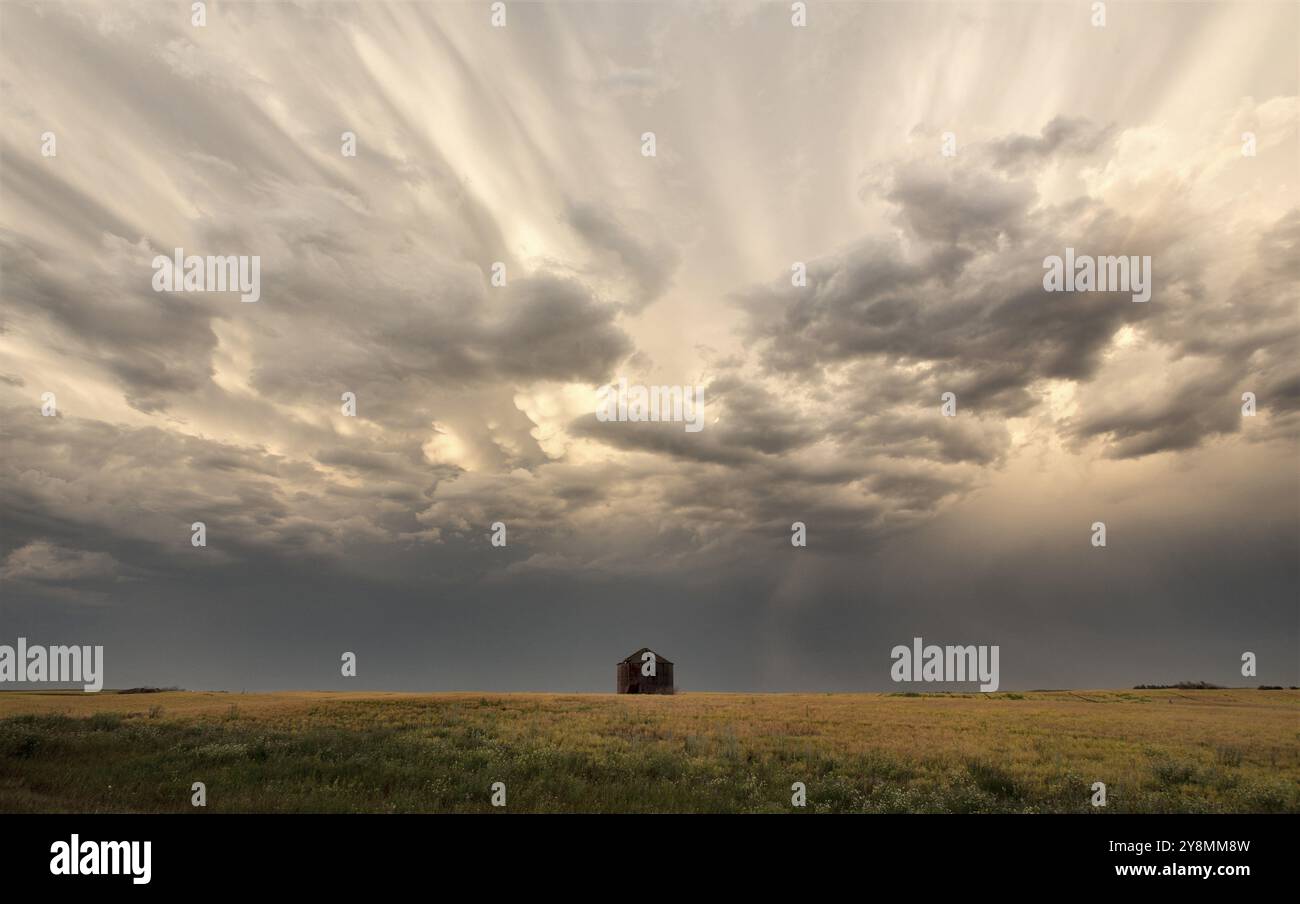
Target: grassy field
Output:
[{"x": 1157, "y": 751}]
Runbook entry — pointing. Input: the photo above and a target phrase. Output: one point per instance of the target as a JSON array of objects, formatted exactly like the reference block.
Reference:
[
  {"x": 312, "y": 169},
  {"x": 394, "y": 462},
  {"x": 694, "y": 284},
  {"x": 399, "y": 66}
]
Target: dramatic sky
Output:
[{"x": 475, "y": 403}]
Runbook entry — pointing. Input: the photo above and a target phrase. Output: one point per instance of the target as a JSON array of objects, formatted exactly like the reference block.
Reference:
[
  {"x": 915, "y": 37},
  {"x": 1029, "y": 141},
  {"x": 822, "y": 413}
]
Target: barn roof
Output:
[{"x": 636, "y": 657}]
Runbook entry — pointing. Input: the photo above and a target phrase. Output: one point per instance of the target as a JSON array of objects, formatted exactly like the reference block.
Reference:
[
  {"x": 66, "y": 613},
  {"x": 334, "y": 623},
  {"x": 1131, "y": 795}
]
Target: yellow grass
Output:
[{"x": 1155, "y": 750}]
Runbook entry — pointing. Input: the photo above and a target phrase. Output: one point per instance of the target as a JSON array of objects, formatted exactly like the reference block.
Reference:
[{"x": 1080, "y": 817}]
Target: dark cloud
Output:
[
  {"x": 649, "y": 265},
  {"x": 1064, "y": 136},
  {"x": 153, "y": 345},
  {"x": 1169, "y": 419},
  {"x": 960, "y": 206},
  {"x": 556, "y": 331},
  {"x": 980, "y": 325}
]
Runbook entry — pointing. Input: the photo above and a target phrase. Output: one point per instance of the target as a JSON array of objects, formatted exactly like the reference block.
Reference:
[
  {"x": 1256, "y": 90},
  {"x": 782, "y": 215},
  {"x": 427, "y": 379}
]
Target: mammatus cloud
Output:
[{"x": 499, "y": 247}]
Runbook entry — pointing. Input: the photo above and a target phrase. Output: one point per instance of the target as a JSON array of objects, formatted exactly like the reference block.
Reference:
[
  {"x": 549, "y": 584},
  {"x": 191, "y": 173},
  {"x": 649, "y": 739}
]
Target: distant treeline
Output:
[
  {"x": 1202, "y": 686},
  {"x": 1181, "y": 686}
]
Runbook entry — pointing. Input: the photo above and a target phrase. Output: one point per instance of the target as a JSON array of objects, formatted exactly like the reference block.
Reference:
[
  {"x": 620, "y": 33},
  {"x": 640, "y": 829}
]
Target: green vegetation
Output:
[{"x": 1032, "y": 752}]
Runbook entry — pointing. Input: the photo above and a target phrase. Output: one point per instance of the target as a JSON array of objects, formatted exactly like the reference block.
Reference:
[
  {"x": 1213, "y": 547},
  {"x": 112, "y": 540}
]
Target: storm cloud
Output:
[{"x": 800, "y": 248}]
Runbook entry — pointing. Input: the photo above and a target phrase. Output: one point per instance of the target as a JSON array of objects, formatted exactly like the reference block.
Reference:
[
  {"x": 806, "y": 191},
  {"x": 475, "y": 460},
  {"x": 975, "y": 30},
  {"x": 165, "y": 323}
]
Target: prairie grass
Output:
[{"x": 1156, "y": 750}]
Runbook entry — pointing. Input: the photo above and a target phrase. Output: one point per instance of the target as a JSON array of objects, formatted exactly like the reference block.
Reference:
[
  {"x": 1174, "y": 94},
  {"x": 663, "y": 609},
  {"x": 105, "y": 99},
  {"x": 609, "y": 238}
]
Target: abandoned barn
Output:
[{"x": 645, "y": 674}]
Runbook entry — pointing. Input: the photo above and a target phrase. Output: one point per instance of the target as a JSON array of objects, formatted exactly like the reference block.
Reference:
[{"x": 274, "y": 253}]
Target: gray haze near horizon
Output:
[{"x": 476, "y": 404}]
